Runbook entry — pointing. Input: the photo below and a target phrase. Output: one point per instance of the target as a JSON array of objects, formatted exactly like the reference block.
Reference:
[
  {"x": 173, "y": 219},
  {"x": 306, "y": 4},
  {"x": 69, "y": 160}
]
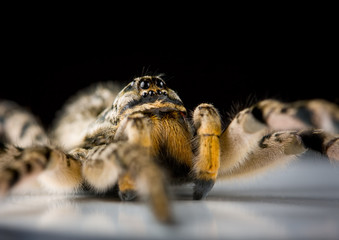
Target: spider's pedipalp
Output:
[
  {"x": 206, "y": 163},
  {"x": 136, "y": 128},
  {"x": 100, "y": 168},
  {"x": 127, "y": 187},
  {"x": 128, "y": 162}
]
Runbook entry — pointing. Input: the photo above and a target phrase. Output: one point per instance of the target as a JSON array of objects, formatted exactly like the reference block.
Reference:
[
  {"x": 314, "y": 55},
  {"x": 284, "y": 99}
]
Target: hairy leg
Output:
[
  {"x": 317, "y": 120},
  {"x": 249, "y": 146},
  {"x": 319, "y": 114},
  {"x": 127, "y": 187},
  {"x": 80, "y": 111},
  {"x": 20, "y": 127},
  {"x": 55, "y": 170},
  {"x": 25, "y": 153},
  {"x": 128, "y": 162},
  {"x": 207, "y": 160}
]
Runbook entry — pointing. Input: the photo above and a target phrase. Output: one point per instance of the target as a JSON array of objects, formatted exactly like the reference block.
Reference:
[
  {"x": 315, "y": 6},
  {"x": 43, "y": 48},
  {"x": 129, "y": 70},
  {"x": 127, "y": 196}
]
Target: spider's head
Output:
[
  {"x": 150, "y": 86},
  {"x": 148, "y": 93}
]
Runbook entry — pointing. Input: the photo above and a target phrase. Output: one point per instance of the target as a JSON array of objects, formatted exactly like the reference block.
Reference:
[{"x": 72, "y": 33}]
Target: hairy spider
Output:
[{"x": 145, "y": 140}]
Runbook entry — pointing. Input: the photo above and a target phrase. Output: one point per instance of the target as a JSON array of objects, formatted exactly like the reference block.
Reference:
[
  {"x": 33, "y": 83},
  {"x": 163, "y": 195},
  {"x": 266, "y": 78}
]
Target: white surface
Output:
[{"x": 298, "y": 201}]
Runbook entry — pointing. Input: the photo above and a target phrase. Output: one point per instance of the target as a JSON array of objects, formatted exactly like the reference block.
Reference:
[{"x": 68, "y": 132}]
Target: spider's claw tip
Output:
[
  {"x": 127, "y": 195},
  {"x": 202, "y": 188}
]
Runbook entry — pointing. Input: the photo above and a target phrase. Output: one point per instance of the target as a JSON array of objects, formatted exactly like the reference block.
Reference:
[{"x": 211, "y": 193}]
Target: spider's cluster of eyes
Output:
[{"x": 145, "y": 83}]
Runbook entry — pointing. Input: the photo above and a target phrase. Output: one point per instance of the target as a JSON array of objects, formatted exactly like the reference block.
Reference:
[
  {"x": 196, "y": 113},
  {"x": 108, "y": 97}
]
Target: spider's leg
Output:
[
  {"x": 55, "y": 170},
  {"x": 26, "y": 153},
  {"x": 104, "y": 167},
  {"x": 303, "y": 116},
  {"x": 239, "y": 138},
  {"x": 319, "y": 114},
  {"x": 269, "y": 150},
  {"x": 321, "y": 141},
  {"x": 127, "y": 187},
  {"x": 279, "y": 148},
  {"x": 207, "y": 161},
  {"x": 81, "y": 110},
  {"x": 20, "y": 127},
  {"x": 249, "y": 146},
  {"x": 128, "y": 162}
]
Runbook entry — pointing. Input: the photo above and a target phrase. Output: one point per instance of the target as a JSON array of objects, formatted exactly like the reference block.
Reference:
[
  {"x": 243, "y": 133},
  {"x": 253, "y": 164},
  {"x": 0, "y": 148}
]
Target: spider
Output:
[{"x": 141, "y": 139}]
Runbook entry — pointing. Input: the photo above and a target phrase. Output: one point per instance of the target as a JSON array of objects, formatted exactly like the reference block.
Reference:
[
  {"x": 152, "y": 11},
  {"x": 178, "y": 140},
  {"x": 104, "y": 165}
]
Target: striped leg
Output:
[
  {"x": 305, "y": 116},
  {"x": 128, "y": 162},
  {"x": 20, "y": 127},
  {"x": 318, "y": 114},
  {"x": 56, "y": 171},
  {"x": 248, "y": 146},
  {"x": 69, "y": 128}
]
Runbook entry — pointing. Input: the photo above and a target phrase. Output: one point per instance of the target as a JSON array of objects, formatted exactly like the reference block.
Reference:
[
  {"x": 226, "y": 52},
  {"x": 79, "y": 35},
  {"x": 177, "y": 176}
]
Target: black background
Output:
[{"x": 44, "y": 64}]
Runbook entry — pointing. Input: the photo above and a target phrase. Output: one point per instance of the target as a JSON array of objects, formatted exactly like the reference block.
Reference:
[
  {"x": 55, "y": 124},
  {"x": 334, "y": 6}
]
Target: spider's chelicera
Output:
[{"x": 141, "y": 139}]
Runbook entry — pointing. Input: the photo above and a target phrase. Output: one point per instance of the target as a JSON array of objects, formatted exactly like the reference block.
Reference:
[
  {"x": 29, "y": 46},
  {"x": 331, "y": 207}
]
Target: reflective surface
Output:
[{"x": 298, "y": 201}]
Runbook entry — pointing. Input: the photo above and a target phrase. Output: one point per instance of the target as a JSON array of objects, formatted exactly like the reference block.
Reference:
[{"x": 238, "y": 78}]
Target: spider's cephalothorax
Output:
[{"x": 140, "y": 139}]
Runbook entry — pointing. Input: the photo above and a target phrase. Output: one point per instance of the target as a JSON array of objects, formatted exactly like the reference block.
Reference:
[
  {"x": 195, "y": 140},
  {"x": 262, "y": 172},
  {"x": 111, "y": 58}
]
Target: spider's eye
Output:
[
  {"x": 160, "y": 83},
  {"x": 145, "y": 84}
]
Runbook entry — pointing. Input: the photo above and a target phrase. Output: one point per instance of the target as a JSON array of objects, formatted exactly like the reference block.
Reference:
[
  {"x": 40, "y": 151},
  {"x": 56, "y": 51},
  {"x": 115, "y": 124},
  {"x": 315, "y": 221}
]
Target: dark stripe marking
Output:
[
  {"x": 25, "y": 127},
  {"x": 284, "y": 110},
  {"x": 313, "y": 140},
  {"x": 258, "y": 114},
  {"x": 142, "y": 101},
  {"x": 47, "y": 154},
  {"x": 39, "y": 137},
  {"x": 3, "y": 147},
  {"x": 2, "y": 120},
  {"x": 28, "y": 167},
  {"x": 305, "y": 115},
  {"x": 336, "y": 124},
  {"x": 261, "y": 143},
  {"x": 331, "y": 142},
  {"x": 129, "y": 87},
  {"x": 15, "y": 176}
]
